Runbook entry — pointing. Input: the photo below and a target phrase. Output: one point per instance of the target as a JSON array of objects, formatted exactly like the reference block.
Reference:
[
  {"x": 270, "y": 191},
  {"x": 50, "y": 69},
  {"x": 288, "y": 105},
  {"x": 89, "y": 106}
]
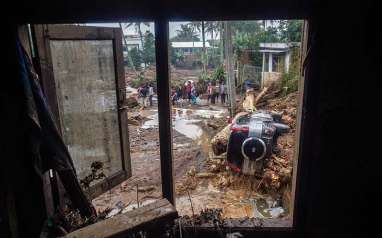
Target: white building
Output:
[
  {"x": 189, "y": 47},
  {"x": 133, "y": 41},
  {"x": 276, "y": 60}
]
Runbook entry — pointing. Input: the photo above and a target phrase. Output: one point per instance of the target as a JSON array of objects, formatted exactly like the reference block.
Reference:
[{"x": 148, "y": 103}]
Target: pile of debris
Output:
[{"x": 207, "y": 217}]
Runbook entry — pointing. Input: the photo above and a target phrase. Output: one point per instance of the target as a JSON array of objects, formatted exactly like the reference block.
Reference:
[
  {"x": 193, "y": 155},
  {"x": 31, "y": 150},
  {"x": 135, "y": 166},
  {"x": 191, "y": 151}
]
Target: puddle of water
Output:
[
  {"x": 183, "y": 121},
  {"x": 188, "y": 129},
  {"x": 203, "y": 113}
]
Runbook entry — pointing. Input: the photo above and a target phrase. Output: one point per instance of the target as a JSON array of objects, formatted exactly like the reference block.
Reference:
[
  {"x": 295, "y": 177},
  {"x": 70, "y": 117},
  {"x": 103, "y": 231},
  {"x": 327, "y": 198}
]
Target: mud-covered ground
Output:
[
  {"x": 197, "y": 171},
  {"x": 144, "y": 149}
]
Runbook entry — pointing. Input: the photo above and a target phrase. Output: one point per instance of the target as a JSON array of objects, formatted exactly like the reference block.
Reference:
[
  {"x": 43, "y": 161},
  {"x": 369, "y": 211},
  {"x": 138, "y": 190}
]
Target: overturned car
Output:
[{"x": 252, "y": 140}]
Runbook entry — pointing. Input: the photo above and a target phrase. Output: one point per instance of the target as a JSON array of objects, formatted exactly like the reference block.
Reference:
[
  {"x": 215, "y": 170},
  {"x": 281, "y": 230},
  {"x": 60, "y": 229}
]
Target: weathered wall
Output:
[{"x": 85, "y": 84}]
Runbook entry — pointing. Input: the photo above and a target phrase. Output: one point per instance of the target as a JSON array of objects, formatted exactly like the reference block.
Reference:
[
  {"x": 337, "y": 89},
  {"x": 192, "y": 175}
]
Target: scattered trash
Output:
[{"x": 275, "y": 211}]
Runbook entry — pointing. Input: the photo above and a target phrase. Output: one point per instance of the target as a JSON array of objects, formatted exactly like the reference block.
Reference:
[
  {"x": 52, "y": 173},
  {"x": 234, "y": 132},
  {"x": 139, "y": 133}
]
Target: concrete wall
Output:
[{"x": 86, "y": 91}]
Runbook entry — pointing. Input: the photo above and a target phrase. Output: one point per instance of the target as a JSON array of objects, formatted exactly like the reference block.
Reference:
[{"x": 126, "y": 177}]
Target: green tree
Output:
[
  {"x": 248, "y": 27},
  {"x": 175, "y": 57},
  {"x": 148, "y": 52},
  {"x": 137, "y": 26},
  {"x": 186, "y": 33},
  {"x": 200, "y": 27},
  {"x": 136, "y": 58},
  {"x": 290, "y": 30}
]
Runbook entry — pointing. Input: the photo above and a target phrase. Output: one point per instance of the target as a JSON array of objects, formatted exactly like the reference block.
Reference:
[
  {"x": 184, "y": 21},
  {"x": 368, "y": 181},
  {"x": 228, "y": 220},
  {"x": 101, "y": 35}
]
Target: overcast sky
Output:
[{"x": 174, "y": 26}]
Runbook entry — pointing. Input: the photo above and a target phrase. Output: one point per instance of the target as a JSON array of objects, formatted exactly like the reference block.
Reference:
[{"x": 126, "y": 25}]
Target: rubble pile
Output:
[
  {"x": 190, "y": 183},
  {"x": 208, "y": 216},
  {"x": 278, "y": 171}
]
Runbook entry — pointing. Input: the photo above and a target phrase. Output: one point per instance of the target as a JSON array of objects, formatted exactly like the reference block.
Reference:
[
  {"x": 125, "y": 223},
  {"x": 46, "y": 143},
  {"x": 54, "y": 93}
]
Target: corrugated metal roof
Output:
[{"x": 189, "y": 44}]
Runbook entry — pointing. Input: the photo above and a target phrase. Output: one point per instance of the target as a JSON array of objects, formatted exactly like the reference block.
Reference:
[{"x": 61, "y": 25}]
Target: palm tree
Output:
[
  {"x": 186, "y": 33},
  {"x": 201, "y": 26},
  {"x": 213, "y": 28}
]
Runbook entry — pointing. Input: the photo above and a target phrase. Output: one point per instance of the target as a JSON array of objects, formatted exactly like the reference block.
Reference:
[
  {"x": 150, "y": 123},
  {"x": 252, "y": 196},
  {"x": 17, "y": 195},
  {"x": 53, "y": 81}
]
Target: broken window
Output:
[{"x": 102, "y": 89}]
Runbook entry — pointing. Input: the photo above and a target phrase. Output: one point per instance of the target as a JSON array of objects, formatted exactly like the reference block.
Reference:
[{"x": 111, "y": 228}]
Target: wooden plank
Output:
[
  {"x": 121, "y": 95},
  {"x": 46, "y": 68},
  {"x": 299, "y": 140},
  {"x": 124, "y": 224},
  {"x": 106, "y": 184},
  {"x": 164, "y": 109},
  {"x": 74, "y": 32}
]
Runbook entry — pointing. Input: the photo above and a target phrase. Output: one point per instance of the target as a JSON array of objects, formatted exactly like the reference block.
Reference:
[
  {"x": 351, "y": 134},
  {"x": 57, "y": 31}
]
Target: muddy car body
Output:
[{"x": 252, "y": 140}]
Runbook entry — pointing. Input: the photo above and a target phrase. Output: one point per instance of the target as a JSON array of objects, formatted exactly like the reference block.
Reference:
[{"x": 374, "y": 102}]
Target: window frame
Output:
[{"x": 43, "y": 34}]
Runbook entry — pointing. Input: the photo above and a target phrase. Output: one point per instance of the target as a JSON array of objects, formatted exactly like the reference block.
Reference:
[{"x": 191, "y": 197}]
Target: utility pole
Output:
[{"x": 229, "y": 67}]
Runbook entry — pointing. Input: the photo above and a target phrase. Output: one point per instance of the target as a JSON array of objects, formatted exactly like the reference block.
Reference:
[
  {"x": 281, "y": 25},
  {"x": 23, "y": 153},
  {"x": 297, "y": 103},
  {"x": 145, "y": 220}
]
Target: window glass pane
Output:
[{"x": 86, "y": 92}]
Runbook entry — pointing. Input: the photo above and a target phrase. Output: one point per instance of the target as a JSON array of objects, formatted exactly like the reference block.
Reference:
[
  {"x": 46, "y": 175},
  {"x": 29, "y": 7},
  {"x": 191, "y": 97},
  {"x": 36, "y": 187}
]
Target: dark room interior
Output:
[{"x": 336, "y": 164}]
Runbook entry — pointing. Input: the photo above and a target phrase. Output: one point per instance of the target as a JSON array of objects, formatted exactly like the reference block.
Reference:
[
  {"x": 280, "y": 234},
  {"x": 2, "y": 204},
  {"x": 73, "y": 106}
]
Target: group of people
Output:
[
  {"x": 214, "y": 91},
  {"x": 188, "y": 91},
  {"x": 146, "y": 92}
]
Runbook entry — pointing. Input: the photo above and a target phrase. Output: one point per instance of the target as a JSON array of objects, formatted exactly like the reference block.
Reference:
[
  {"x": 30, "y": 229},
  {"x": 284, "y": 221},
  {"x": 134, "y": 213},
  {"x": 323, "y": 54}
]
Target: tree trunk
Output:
[
  {"x": 204, "y": 58},
  {"x": 221, "y": 43},
  {"x": 220, "y": 141},
  {"x": 128, "y": 54},
  {"x": 229, "y": 66},
  {"x": 141, "y": 36}
]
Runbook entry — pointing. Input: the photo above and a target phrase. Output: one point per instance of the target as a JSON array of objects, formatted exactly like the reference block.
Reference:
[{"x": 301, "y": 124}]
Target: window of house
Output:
[{"x": 106, "y": 104}]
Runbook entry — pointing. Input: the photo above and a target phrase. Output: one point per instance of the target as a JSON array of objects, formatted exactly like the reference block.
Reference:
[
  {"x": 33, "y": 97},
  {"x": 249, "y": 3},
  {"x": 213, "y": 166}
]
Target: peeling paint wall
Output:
[{"x": 86, "y": 89}]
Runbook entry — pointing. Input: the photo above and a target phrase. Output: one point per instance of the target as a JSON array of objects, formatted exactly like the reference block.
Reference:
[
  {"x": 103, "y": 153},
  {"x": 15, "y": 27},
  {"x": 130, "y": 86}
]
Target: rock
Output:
[{"x": 132, "y": 102}]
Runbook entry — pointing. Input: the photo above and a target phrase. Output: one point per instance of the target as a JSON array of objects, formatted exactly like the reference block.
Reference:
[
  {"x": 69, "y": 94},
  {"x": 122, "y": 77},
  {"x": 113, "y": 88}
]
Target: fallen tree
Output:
[{"x": 220, "y": 141}]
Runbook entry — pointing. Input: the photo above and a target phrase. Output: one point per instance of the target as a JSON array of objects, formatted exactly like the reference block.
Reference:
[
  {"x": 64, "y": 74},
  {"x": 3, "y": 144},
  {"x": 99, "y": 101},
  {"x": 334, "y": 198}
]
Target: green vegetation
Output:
[
  {"x": 136, "y": 57},
  {"x": 136, "y": 83},
  {"x": 290, "y": 79},
  {"x": 148, "y": 52},
  {"x": 186, "y": 33}
]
